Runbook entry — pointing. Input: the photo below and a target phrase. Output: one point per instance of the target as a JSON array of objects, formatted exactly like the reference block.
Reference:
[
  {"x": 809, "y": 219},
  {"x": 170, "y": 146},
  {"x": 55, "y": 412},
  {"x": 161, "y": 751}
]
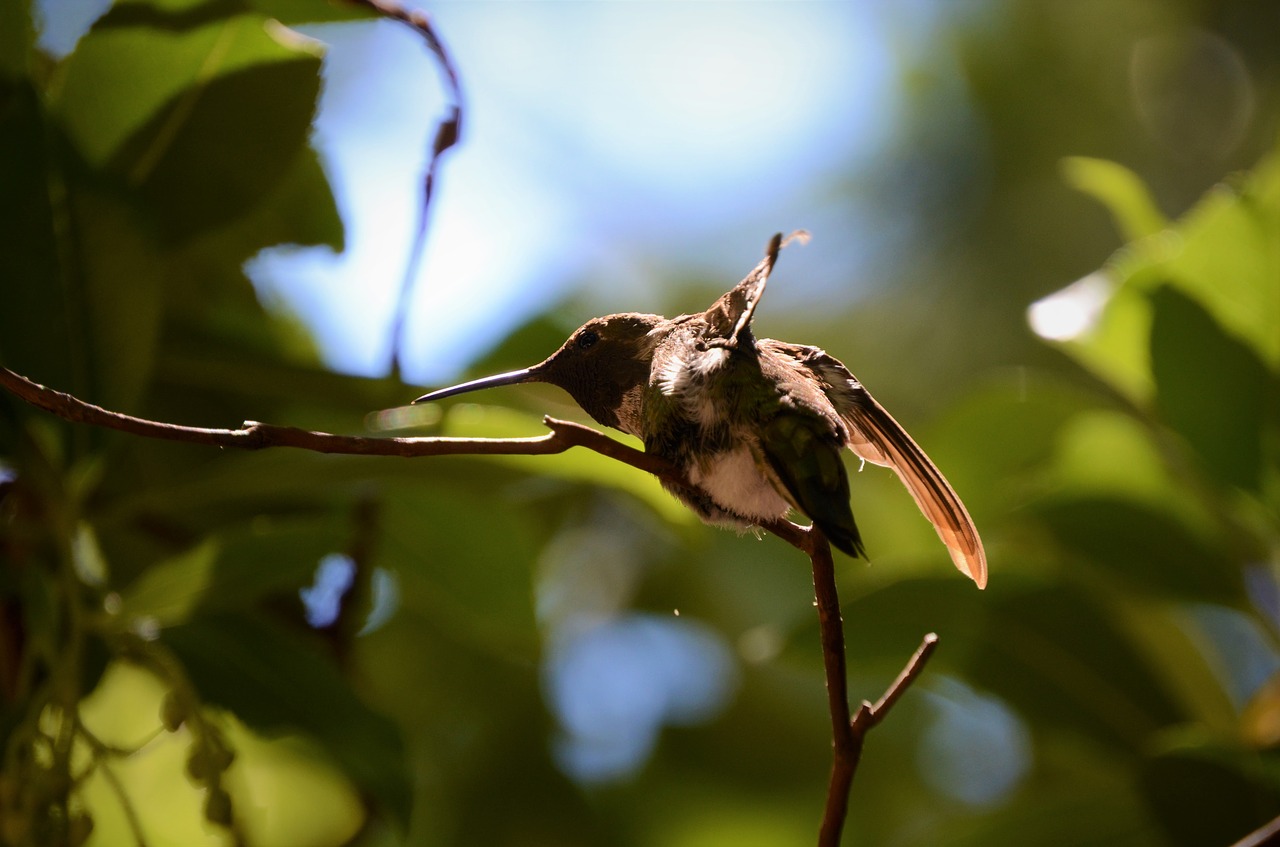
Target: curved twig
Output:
[
  {"x": 252, "y": 435},
  {"x": 448, "y": 131},
  {"x": 101, "y": 751}
]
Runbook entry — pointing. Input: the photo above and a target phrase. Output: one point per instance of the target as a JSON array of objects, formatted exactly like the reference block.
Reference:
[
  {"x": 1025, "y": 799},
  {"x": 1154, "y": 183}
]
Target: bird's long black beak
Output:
[{"x": 509, "y": 378}]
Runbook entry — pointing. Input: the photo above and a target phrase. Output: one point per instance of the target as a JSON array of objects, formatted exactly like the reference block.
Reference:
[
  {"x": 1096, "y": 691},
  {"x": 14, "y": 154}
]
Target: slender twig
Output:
[
  {"x": 848, "y": 734},
  {"x": 869, "y": 715},
  {"x": 1267, "y": 834},
  {"x": 844, "y": 760},
  {"x": 130, "y": 812},
  {"x": 101, "y": 747},
  {"x": 257, "y": 436},
  {"x": 101, "y": 751},
  {"x": 447, "y": 133}
]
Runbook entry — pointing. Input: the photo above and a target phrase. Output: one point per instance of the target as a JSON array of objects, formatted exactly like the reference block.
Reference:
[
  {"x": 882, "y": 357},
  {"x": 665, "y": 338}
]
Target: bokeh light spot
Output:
[
  {"x": 615, "y": 686},
  {"x": 323, "y": 598},
  {"x": 1072, "y": 311},
  {"x": 977, "y": 750}
]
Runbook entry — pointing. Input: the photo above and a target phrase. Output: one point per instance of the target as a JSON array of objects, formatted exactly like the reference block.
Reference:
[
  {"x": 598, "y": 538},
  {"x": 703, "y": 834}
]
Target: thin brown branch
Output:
[
  {"x": 869, "y": 715},
  {"x": 844, "y": 751},
  {"x": 1267, "y": 834},
  {"x": 447, "y": 133},
  {"x": 848, "y": 734},
  {"x": 257, "y": 436}
]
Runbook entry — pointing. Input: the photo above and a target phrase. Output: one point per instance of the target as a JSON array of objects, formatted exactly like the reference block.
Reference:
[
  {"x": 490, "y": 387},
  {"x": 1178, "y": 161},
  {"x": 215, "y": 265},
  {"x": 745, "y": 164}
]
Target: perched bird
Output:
[{"x": 757, "y": 425}]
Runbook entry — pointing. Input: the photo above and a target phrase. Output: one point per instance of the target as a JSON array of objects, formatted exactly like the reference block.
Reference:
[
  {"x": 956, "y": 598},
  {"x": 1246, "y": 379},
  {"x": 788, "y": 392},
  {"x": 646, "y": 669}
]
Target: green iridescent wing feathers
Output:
[{"x": 802, "y": 454}]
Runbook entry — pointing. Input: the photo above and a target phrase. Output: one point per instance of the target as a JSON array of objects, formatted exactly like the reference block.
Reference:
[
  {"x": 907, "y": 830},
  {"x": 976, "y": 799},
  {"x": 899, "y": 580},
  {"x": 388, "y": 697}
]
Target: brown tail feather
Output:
[{"x": 879, "y": 439}]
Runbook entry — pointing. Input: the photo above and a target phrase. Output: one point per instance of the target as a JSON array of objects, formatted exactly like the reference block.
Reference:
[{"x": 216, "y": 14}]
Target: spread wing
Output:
[{"x": 875, "y": 436}]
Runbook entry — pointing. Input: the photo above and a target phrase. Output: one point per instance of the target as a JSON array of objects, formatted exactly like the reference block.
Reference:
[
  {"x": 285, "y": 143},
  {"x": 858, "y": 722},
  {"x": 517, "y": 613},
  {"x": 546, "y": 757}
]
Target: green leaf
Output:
[
  {"x": 300, "y": 211},
  {"x": 86, "y": 555},
  {"x": 1208, "y": 793},
  {"x": 35, "y": 305},
  {"x": 17, "y": 36},
  {"x": 203, "y": 122},
  {"x": 1210, "y": 387},
  {"x": 1224, "y": 253},
  {"x": 173, "y": 12},
  {"x": 1112, "y": 453},
  {"x": 465, "y": 562},
  {"x": 313, "y": 11},
  {"x": 994, "y": 444},
  {"x": 1057, "y": 653},
  {"x": 269, "y": 556},
  {"x": 167, "y": 593},
  {"x": 241, "y": 487},
  {"x": 1120, "y": 190},
  {"x": 1084, "y": 802},
  {"x": 1146, "y": 548},
  {"x": 1161, "y": 633},
  {"x": 254, "y": 377},
  {"x": 121, "y": 273},
  {"x": 120, "y": 78},
  {"x": 275, "y": 682},
  {"x": 1231, "y": 259},
  {"x": 1114, "y": 347},
  {"x": 228, "y": 153}
]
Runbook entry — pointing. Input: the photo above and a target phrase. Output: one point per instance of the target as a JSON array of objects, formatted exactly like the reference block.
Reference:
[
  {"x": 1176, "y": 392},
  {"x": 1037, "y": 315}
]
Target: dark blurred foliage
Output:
[{"x": 163, "y": 682}]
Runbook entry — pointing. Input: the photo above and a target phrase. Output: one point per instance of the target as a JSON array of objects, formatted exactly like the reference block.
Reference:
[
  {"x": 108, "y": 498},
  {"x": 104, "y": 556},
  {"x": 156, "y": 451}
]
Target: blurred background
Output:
[{"x": 1046, "y": 236}]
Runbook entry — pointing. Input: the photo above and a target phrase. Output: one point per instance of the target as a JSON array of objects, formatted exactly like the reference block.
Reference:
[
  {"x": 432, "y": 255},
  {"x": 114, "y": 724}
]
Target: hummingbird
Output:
[{"x": 758, "y": 426}]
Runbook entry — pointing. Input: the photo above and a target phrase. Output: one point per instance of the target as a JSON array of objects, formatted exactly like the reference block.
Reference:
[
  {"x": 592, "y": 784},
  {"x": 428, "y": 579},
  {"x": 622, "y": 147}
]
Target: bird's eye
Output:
[{"x": 587, "y": 339}]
